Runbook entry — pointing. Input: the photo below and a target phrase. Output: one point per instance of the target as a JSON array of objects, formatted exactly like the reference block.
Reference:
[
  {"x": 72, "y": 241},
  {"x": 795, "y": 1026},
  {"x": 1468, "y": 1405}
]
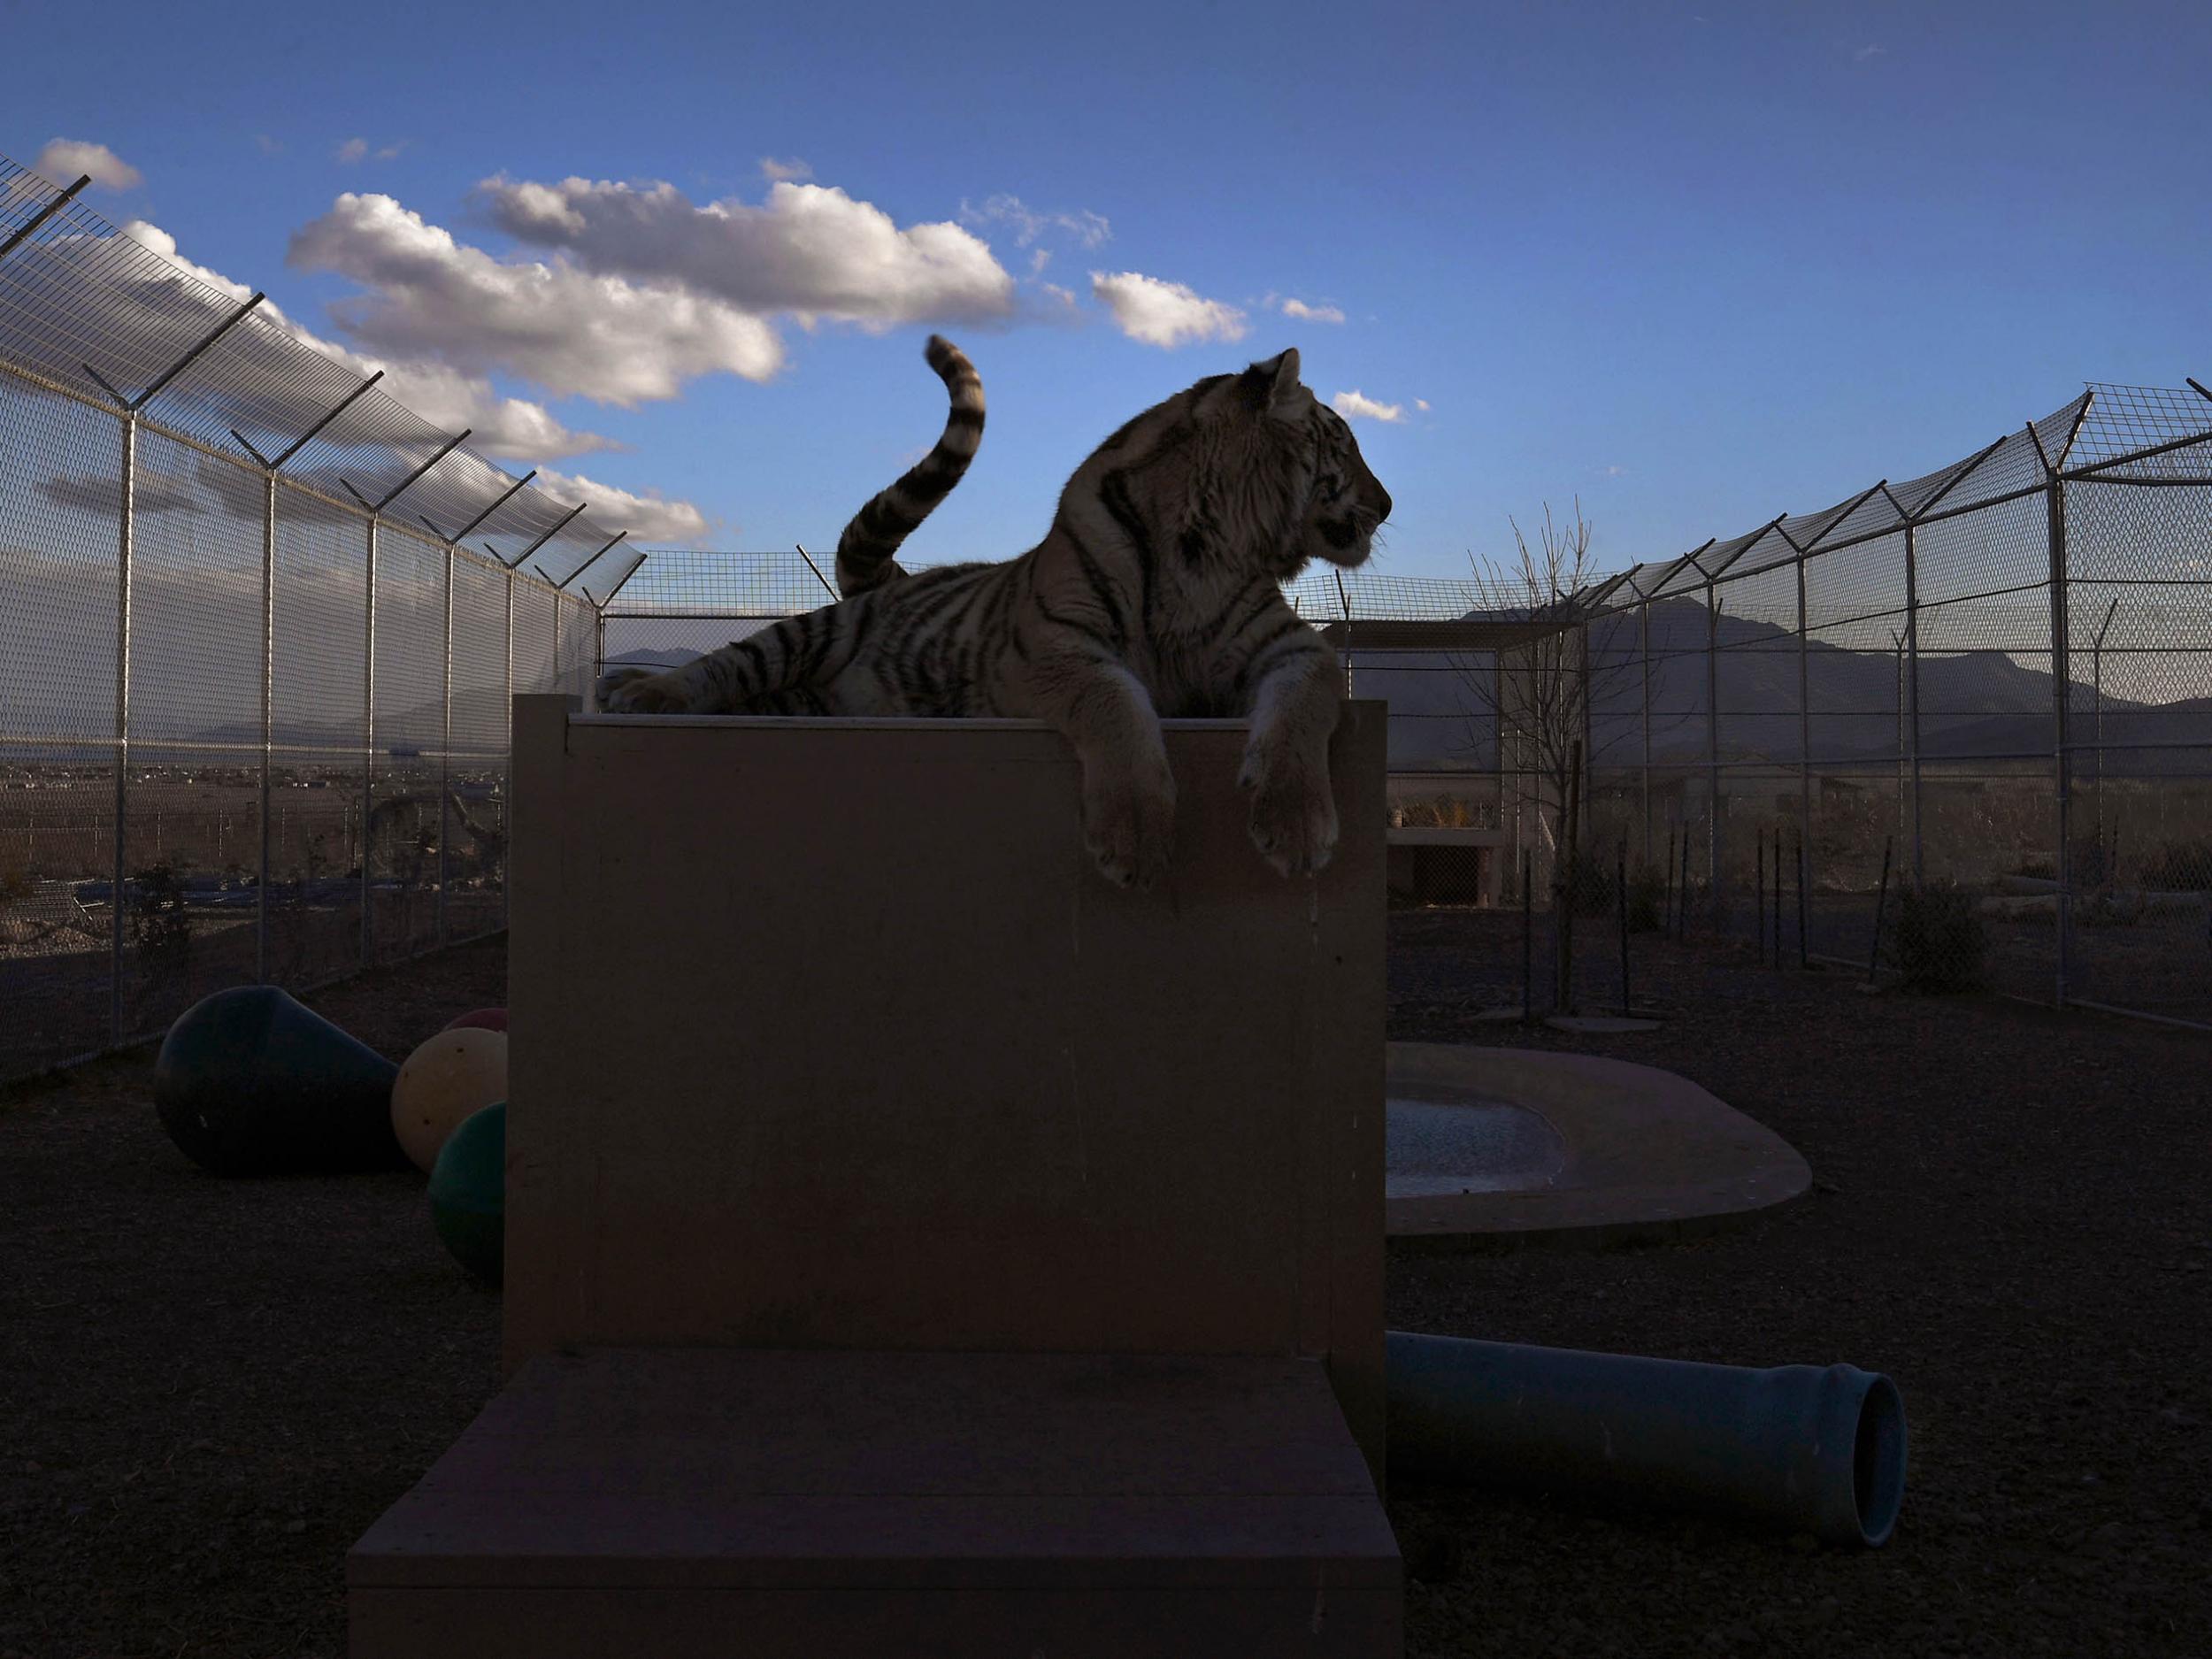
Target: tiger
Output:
[
  {"x": 864, "y": 548},
  {"x": 1156, "y": 593}
]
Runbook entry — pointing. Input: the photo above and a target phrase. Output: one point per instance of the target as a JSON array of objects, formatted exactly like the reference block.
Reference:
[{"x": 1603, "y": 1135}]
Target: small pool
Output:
[
  {"x": 1434, "y": 1147},
  {"x": 1490, "y": 1147}
]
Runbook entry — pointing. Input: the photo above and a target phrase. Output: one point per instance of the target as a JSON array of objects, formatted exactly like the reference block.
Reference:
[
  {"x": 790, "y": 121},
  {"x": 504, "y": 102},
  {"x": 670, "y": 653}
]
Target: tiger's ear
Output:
[{"x": 1273, "y": 385}]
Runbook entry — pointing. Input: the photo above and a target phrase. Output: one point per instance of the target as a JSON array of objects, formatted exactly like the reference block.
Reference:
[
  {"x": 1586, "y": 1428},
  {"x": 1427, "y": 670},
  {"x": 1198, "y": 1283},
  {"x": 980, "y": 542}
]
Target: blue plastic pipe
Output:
[{"x": 1808, "y": 1448}]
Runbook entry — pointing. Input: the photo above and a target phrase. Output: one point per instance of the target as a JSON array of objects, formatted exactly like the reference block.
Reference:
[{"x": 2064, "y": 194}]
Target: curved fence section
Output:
[{"x": 258, "y": 627}]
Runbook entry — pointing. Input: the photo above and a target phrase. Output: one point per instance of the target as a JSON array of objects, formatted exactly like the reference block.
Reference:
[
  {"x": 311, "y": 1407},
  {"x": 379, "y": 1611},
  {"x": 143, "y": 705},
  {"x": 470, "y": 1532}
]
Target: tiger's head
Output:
[{"x": 1287, "y": 469}]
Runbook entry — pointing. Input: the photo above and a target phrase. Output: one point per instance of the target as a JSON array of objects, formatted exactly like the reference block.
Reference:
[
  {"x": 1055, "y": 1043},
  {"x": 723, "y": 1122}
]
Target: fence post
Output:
[
  {"x": 1712, "y": 745},
  {"x": 368, "y": 759},
  {"x": 2062, "y": 668},
  {"x": 1565, "y": 871},
  {"x": 368, "y": 748},
  {"x": 1497, "y": 744},
  {"x": 122, "y": 716},
  {"x": 1804, "y": 735},
  {"x": 268, "y": 717},
  {"x": 2110, "y": 872},
  {"x": 1643, "y": 631},
  {"x": 1589, "y": 754},
  {"x": 1344, "y": 601},
  {"x": 507, "y": 793},
  {"x": 445, "y": 758},
  {"x": 1912, "y": 682}
]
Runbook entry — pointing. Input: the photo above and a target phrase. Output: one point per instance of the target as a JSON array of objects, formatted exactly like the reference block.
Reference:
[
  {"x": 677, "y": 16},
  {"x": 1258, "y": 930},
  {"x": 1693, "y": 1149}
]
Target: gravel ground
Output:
[
  {"x": 2011, "y": 1220},
  {"x": 212, "y": 1388}
]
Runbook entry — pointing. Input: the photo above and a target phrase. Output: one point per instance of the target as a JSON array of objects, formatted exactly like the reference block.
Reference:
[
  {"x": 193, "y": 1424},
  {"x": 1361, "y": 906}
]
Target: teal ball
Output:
[{"x": 468, "y": 1193}]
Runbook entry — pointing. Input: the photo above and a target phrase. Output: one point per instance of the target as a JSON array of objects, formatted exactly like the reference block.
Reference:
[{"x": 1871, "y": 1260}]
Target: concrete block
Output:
[{"x": 826, "y": 1033}]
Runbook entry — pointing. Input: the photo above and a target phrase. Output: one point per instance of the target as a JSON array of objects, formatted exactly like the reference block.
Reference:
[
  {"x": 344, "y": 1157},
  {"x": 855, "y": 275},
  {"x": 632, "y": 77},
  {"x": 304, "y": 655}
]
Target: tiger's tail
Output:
[{"x": 865, "y": 549}]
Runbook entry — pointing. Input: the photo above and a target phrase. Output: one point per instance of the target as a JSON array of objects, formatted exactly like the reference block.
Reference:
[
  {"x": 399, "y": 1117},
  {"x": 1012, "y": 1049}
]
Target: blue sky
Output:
[{"x": 1697, "y": 264}]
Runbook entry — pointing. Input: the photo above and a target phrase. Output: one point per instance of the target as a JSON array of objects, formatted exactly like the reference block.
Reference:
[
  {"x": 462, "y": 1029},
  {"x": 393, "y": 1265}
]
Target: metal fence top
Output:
[
  {"x": 90, "y": 313},
  {"x": 2110, "y": 434}
]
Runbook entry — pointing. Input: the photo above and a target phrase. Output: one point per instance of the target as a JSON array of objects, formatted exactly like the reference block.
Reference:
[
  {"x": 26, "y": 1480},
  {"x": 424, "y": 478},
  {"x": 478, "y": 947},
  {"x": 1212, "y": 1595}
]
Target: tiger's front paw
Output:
[
  {"x": 641, "y": 691},
  {"x": 1294, "y": 815},
  {"x": 1129, "y": 828}
]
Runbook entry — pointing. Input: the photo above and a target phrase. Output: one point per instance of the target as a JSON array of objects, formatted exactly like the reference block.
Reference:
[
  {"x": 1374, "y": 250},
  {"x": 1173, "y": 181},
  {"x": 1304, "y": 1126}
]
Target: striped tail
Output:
[{"x": 864, "y": 550}]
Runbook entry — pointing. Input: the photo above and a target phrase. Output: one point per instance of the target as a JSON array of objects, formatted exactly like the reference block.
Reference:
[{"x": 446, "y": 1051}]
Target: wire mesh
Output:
[
  {"x": 195, "y": 599},
  {"x": 2130, "y": 420},
  {"x": 1955, "y": 727},
  {"x": 192, "y": 849},
  {"x": 694, "y": 582},
  {"x": 184, "y": 650},
  {"x": 60, "y": 518},
  {"x": 319, "y": 635}
]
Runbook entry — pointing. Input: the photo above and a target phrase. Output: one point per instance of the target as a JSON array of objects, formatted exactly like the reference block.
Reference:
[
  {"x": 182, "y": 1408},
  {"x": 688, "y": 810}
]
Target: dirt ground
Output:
[
  {"x": 2012, "y": 1218},
  {"x": 211, "y": 1388}
]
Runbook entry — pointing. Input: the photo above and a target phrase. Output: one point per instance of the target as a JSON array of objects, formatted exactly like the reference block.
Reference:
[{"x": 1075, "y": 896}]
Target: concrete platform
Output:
[
  {"x": 900, "y": 1072},
  {"x": 687, "y": 1502},
  {"x": 1644, "y": 1156}
]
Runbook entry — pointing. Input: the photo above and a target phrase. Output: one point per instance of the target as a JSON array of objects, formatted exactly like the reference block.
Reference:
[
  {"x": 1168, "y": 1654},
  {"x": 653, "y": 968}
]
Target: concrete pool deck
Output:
[{"x": 1644, "y": 1156}]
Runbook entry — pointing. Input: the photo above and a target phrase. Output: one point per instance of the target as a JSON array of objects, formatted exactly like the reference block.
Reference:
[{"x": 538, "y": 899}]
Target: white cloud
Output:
[
  {"x": 571, "y": 332},
  {"x": 163, "y": 243},
  {"x": 1421, "y": 404},
  {"x": 775, "y": 170},
  {"x": 1087, "y": 228},
  {"x": 1867, "y": 54},
  {"x": 810, "y": 250},
  {"x": 267, "y": 145},
  {"x": 357, "y": 150},
  {"x": 1039, "y": 259},
  {"x": 1164, "y": 314},
  {"x": 65, "y": 159},
  {"x": 1066, "y": 296},
  {"x": 1616, "y": 471},
  {"x": 510, "y": 428},
  {"x": 1312, "y": 313},
  {"x": 1358, "y": 406},
  {"x": 650, "y": 518},
  {"x": 506, "y": 428}
]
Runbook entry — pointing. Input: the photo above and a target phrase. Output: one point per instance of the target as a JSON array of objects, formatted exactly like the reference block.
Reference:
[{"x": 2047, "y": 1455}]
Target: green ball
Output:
[{"x": 468, "y": 1193}]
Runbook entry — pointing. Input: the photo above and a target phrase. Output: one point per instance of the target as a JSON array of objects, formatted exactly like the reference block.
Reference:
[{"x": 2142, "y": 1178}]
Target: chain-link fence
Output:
[
  {"x": 1970, "y": 714},
  {"x": 259, "y": 629},
  {"x": 1956, "y": 730}
]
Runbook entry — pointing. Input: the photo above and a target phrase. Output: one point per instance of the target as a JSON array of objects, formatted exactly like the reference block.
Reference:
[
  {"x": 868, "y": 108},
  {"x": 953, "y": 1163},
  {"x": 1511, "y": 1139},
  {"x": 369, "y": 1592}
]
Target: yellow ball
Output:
[{"x": 453, "y": 1075}]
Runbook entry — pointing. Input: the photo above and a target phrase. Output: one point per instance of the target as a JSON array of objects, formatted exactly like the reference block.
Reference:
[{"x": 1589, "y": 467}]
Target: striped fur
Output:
[
  {"x": 1156, "y": 592},
  {"x": 864, "y": 550}
]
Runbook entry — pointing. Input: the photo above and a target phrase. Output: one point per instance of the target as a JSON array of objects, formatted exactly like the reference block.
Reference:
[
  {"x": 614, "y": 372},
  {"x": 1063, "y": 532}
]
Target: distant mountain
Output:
[{"x": 1973, "y": 703}]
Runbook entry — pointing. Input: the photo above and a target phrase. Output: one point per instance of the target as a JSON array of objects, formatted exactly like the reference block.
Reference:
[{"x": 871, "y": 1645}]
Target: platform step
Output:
[{"x": 699, "y": 1502}]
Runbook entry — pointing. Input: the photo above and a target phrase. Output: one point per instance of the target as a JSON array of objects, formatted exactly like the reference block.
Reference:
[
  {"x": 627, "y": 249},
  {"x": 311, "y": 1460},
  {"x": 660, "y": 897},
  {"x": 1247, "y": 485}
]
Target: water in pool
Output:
[{"x": 1463, "y": 1145}]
